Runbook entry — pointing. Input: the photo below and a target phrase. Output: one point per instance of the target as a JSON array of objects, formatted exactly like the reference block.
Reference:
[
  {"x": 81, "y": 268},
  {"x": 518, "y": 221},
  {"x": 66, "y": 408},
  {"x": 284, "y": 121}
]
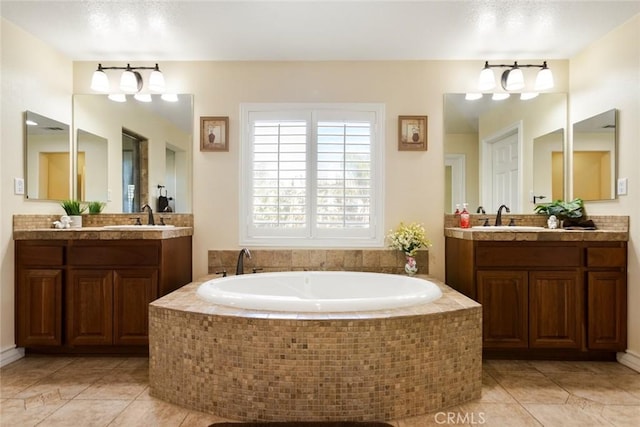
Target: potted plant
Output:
[
  {"x": 95, "y": 207},
  {"x": 408, "y": 239},
  {"x": 562, "y": 210},
  {"x": 74, "y": 209}
]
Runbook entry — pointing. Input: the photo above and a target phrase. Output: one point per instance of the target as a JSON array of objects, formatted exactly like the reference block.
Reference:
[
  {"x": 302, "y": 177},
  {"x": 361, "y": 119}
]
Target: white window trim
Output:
[{"x": 377, "y": 217}]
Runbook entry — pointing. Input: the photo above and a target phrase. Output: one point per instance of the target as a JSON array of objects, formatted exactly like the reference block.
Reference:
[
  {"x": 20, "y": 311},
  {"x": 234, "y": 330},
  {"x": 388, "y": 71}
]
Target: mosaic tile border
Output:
[
  {"x": 253, "y": 366},
  {"x": 267, "y": 260}
]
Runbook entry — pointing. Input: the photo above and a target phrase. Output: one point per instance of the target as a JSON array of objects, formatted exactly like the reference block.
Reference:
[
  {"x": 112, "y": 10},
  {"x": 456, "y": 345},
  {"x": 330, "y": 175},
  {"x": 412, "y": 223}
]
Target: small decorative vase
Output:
[{"x": 410, "y": 267}]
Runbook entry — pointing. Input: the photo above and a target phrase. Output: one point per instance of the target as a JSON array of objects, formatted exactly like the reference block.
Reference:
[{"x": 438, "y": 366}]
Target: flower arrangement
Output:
[{"x": 408, "y": 238}]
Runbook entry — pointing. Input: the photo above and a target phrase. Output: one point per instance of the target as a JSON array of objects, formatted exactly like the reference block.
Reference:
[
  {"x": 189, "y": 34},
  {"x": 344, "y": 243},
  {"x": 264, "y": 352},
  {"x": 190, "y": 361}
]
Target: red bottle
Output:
[{"x": 465, "y": 218}]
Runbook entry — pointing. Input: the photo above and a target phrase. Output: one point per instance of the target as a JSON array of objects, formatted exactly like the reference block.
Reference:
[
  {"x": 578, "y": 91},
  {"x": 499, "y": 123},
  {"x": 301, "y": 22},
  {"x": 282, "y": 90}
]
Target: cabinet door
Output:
[
  {"x": 555, "y": 309},
  {"x": 133, "y": 291},
  {"x": 90, "y": 307},
  {"x": 503, "y": 295},
  {"x": 39, "y": 307},
  {"x": 607, "y": 310}
]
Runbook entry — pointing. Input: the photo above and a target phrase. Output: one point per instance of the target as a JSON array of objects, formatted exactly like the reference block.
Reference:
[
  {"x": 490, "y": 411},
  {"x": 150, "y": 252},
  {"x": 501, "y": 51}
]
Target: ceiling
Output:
[{"x": 160, "y": 30}]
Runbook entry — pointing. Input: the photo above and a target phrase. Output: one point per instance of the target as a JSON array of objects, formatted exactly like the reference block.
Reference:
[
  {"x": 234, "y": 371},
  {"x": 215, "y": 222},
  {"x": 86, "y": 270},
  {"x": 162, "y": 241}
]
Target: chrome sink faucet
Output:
[
  {"x": 150, "y": 221},
  {"x": 499, "y": 215},
  {"x": 240, "y": 265}
]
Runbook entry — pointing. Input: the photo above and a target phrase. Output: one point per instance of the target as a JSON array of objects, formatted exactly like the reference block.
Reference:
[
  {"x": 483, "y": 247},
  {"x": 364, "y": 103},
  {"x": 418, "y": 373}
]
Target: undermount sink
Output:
[
  {"x": 131, "y": 227},
  {"x": 507, "y": 228}
]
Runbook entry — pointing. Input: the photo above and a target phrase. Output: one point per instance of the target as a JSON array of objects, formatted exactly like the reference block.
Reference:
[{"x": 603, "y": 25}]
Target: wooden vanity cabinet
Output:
[
  {"x": 93, "y": 294},
  {"x": 41, "y": 276},
  {"x": 568, "y": 296},
  {"x": 606, "y": 277}
]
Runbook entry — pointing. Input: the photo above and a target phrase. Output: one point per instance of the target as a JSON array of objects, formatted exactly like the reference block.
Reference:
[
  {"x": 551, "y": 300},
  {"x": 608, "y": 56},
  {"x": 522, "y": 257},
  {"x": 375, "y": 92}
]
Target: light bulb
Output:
[
  {"x": 117, "y": 97},
  {"x": 142, "y": 97},
  {"x": 156, "y": 80},
  {"x": 487, "y": 79},
  {"x": 130, "y": 81},
  {"x": 100, "y": 81},
  {"x": 544, "y": 79},
  {"x": 513, "y": 79},
  {"x": 169, "y": 97},
  {"x": 525, "y": 96},
  {"x": 472, "y": 96},
  {"x": 500, "y": 96}
]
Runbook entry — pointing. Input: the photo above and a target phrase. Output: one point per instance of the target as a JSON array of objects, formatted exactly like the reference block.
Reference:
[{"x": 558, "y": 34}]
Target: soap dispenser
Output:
[{"x": 465, "y": 218}]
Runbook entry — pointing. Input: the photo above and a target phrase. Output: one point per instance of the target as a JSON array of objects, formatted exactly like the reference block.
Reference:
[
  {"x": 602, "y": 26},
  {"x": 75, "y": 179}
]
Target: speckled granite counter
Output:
[
  {"x": 542, "y": 235},
  {"x": 99, "y": 233}
]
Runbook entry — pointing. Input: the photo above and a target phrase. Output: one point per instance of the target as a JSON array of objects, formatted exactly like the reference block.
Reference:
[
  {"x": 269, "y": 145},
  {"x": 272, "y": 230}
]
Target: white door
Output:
[{"x": 502, "y": 171}]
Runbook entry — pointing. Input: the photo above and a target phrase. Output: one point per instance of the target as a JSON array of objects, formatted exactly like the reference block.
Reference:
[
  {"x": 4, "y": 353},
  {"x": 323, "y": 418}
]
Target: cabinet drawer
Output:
[
  {"x": 40, "y": 255},
  {"x": 527, "y": 256},
  {"x": 606, "y": 257},
  {"x": 114, "y": 254}
]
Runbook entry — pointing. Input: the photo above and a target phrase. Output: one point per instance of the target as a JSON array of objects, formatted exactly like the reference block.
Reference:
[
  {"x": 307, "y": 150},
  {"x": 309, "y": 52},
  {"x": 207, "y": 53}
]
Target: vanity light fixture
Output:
[
  {"x": 513, "y": 78},
  {"x": 130, "y": 80}
]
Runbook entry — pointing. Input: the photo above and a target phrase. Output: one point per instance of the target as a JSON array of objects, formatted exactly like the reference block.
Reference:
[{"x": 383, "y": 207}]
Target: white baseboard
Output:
[
  {"x": 10, "y": 354},
  {"x": 629, "y": 359}
]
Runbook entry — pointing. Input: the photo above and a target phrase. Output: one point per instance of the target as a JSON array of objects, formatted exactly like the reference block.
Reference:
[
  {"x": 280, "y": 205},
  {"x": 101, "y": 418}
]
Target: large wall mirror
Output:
[
  {"x": 504, "y": 151},
  {"x": 149, "y": 151},
  {"x": 47, "y": 158},
  {"x": 594, "y": 157}
]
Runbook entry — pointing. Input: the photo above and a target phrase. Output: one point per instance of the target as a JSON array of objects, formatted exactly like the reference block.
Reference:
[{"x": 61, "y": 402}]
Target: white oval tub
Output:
[{"x": 319, "y": 291}]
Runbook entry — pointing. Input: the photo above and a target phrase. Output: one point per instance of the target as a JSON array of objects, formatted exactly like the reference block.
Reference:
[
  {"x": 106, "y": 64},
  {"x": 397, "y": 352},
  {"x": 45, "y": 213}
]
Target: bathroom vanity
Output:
[
  {"x": 545, "y": 294},
  {"x": 88, "y": 290}
]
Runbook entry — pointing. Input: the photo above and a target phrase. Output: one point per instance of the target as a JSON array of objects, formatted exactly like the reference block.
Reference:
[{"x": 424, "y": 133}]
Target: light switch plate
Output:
[
  {"x": 622, "y": 186},
  {"x": 18, "y": 185}
]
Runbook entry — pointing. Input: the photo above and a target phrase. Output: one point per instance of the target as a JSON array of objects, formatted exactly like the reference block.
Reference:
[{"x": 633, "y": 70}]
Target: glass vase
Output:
[{"x": 410, "y": 267}]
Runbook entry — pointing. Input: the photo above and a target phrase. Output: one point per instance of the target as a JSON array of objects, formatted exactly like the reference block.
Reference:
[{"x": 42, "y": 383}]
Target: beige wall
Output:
[
  {"x": 39, "y": 79},
  {"x": 606, "y": 75}
]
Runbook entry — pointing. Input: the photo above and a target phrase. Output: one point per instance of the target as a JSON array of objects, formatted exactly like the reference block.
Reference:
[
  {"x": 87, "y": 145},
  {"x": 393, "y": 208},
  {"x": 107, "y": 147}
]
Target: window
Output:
[{"x": 311, "y": 175}]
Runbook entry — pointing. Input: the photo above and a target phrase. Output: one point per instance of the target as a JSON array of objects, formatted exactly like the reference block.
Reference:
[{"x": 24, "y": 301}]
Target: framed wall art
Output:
[
  {"x": 412, "y": 133},
  {"x": 214, "y": 133}
]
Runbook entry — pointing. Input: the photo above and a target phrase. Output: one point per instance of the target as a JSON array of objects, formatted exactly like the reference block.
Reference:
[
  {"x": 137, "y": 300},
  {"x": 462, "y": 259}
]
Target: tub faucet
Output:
[
  {"x": 240, "y": 265},
  {"x": 499, "y": 214},
  {"x": 150, "y": 221}
]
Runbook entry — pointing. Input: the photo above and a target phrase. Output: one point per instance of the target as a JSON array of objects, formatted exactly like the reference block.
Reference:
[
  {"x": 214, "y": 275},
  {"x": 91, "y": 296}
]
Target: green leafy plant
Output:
[
  {"x": 72, "y": 207},
  {"x": 561, "y": 209},
  {"x": 95, "y": 207}
]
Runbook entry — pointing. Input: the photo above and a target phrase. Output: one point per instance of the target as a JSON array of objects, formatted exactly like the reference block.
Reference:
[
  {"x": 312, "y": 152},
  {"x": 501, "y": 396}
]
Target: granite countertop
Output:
[
  {"x": 541, "y": 235},
  {"x": 100, "y": 233}
]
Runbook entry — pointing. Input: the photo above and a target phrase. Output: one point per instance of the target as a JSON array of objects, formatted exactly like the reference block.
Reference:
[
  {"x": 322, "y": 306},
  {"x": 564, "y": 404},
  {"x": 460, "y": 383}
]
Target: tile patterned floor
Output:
[{"x": 97, "y": 391}]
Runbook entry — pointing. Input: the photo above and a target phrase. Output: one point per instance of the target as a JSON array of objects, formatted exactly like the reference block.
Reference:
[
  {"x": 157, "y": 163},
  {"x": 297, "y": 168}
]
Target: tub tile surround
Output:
[
  {"x": 270, "y": 366},
  {"x": 270, "y": 260}
]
